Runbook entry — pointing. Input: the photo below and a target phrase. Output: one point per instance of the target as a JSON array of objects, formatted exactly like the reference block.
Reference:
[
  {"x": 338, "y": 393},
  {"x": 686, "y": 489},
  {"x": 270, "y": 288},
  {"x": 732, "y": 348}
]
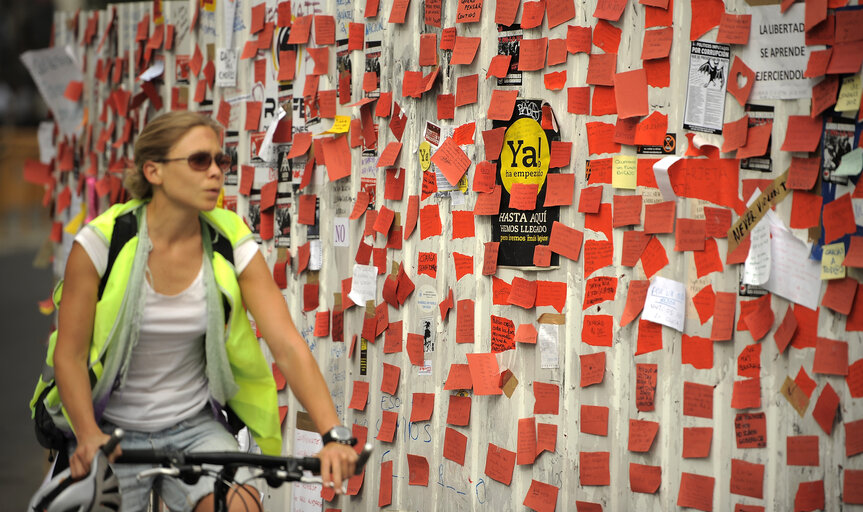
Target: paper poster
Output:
[
  {"x": 836, "y": 141},
  {"x": 665, "y": 303},
  {"x": 705, "y": 88},
  {"x": 283, "y": 203},
  {"x": 508, "y": 43},
  {"x": 306, "y": 497},
  {"x": 758, "y": 115},
  {"x": 52, "y": 69},
  {"x": 777, "y": 53},
  {"x": 523, "y": 166}
]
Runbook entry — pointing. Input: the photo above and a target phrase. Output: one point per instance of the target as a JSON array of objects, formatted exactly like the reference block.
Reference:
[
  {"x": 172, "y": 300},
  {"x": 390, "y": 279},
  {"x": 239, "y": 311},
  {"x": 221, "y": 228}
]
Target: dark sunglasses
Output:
[{"x": 202, "y": 160}]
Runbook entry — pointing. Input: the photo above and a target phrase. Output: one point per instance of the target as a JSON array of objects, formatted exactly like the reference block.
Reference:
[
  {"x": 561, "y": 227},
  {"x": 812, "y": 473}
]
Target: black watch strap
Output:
[{"x": 339, "y": 434}]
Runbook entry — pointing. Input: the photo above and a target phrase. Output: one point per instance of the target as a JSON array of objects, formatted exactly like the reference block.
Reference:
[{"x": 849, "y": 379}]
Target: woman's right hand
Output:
[{"x": 88, "y": 445}]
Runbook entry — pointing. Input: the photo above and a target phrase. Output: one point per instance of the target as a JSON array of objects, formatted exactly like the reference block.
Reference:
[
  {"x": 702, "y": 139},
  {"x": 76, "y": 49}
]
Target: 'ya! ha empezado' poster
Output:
[{"x": 524, "y": 160}]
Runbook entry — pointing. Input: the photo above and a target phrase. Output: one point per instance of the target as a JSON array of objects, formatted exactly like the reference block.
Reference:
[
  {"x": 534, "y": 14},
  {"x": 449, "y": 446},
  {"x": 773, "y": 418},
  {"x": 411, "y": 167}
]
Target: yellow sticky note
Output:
[
  {"x": 424, "y": 155},
  {"x": 832, "y": 256},
  {"x": 623, "y": 172},
  {"x": 341, "y": 125},
  {"x": 849, "y": 95},
  {"x": 75, "y": 223}
]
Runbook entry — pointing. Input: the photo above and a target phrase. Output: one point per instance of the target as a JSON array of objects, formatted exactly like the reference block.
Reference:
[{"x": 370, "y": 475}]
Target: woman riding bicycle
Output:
[{"x": 164, "y": 348}]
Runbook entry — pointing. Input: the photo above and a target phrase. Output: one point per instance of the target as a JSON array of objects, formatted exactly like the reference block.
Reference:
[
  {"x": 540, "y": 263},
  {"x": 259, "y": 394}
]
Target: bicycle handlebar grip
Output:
[
  {"x": 112, "y": 443},
  {"x": 363, "y": 458}
]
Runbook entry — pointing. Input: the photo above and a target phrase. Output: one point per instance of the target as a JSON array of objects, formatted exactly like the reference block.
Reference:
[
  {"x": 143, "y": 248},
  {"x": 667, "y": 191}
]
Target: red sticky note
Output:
[
  {"x": 484, "y": 373},
  {"x": 609, "y": 9},
  {"x": 499, "y": 464},
  {"x": 696, "y": 491},
  {"x": 523, "y": 196},
  {"x": 653, "y": 258},
  {"x": 458, "y": 412},
  {"x": 565, "y": 240},
  {"x": 414, "y": 348},
  {"x": 746, "y": 394},
  {"x": 645, "y": 386},
  {"x": 430, "y": 224},
  {"x": 803, "y": 450},
  {"x": 546, "y": 398},
  {"x": 809, "y": 496},
  {"x": 627, "y": 210},
  {"x": 740, "y": 69},
  {"x": 418, "y": 470},
  {"x": 464, "y": 50},
  {"x": 641, "y": 435},
  {"x": 697, "y": 400},
  {"x": 592, "y": 368},
  {"x": 590, "y": 199},
  {"x": 458, "y": 378},
  {"x": 593, "y": 468},
  {"x": 831, "y": 356},
  {"x": 803, "y": 173},
  {"x": 454, "y": 445},
  {"x": 747, "y": 478},
  {"x": 825, "y": 408},
  {"x": 532, "y": 54},
  {"x": 838, "y": 218},
  {"x": 360, "y": 395},
  {"x": 578, "y": 39},
  {"x": 541, "y": 496},
  {"x": 630, "y": 93},
  {"x": 502, "y": 104},
  {"x": 526, "y": 436},
  {"x": 644, "y": 478},
  {"x": 601, "y": 68},
  {"x": 451, "y": 160},
  {"x": 696, "y": 442},
  {"x": 594, "y": 420},
  {"x": 422, "y": 407},
  {"x": 803, "y": 134},
  {"x": 697, "y": 351},
  {"x": 499, "y": 66}
]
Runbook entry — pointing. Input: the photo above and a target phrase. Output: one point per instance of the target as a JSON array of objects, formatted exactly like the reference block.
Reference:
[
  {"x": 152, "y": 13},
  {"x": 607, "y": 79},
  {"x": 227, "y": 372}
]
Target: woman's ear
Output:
[{"x": 152, "y": 172}]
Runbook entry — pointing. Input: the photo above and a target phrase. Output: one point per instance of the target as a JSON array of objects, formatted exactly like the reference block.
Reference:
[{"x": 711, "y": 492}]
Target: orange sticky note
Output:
[
  {"x": 630, "y": 93},
  {"x": 523, "y": 196},
  {"x": 590, "y": 199},
  {"x": 697, "y": 351},
  {"x": 499, "y": 464},
  {"x": 526, "y": 436},
  {"x": 532, "y": 54},
  {"x": 502, "y": 104},
  {"x": 641, "y": 435},
  {"x": 594, "y": 420},
  {"x": 565, "y": 240},
  {"x": 578, "y": 39},
  {"x": 609, "y": 9},
  {"x": 593, "y": 468},
  {"x": 803, "y": 134},
  {"x": 484, "y": 373},
  {"x": 696, "y": 491},
  {"x": 656, "y": 43},
  {"x": 627, "y": 210},
  {"x": 601, "y": 68},
  {"x": 696, "y": 442},
  {"x": 734, "y": 28},
  {"x": 541, "y": 496},
  {"x": 559, "y": 190},
  {"x": 697, "y": 400},
  {"x": 592, "y": 368},
  {"x": 360, "y": 395},
  {"x": 464, "y": 50}
]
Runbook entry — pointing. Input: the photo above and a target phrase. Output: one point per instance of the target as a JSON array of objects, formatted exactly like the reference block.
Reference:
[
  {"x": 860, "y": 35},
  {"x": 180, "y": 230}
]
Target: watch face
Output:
[{"x": 340, "y": 433}]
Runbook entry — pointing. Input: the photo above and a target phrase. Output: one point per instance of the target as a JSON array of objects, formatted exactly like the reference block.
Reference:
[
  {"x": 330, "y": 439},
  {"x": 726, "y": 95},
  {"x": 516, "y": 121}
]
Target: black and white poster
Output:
[{"x": 705, "y": 88}]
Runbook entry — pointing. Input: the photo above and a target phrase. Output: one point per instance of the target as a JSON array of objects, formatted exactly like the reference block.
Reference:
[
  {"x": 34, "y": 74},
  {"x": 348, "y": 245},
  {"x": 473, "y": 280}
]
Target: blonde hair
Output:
[{"x": 155, "y": 142}]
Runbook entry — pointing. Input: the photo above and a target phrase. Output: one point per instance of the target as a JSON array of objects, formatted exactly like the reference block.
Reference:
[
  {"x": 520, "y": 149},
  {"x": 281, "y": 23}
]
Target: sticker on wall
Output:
[
  {"x": 522, "y": 221},
  {"x": 705, "y": 88},
  {"x": 426, "y": 297},
  {"x": 759, "y": 115},
  {"x": 508, "y": 43}
]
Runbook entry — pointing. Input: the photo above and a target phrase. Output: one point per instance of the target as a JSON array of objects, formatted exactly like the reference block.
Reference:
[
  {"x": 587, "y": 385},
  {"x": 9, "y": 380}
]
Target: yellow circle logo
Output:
[
  {"x": 525, "y": 156},
  {"x": 424, "y": 155}
]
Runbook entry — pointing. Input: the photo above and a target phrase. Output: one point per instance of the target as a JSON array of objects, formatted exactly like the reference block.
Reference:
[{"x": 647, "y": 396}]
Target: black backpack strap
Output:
[
  {"x": 125, "y": 228},
  {"x": 223, "y": 246}
]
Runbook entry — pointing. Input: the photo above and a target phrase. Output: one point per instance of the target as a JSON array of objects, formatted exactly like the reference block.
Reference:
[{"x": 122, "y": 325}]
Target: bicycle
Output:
[{"x": 99, "y": 489}]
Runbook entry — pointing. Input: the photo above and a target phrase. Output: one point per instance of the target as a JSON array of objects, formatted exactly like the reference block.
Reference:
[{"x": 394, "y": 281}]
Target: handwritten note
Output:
[{"x": 665, "y": 303}]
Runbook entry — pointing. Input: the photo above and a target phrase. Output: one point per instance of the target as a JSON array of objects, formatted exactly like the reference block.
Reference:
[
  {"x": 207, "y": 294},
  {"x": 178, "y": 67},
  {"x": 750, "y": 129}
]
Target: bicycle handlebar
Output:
[{"x": 290, "y": 464}]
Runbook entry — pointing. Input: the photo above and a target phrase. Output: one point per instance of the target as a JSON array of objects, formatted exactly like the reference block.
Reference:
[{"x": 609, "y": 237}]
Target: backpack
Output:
[{"x": 125, "y": 228}]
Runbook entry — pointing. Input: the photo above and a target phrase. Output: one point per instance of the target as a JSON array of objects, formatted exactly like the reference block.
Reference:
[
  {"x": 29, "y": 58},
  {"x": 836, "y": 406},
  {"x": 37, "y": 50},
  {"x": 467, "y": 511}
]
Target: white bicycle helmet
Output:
[{"x": 99, "y": 491}]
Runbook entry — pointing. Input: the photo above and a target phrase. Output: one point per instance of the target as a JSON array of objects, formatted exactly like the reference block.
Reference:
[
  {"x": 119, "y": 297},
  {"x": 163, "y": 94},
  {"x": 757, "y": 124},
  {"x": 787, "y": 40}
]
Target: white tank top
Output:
[{"x": 166, "y": 381}]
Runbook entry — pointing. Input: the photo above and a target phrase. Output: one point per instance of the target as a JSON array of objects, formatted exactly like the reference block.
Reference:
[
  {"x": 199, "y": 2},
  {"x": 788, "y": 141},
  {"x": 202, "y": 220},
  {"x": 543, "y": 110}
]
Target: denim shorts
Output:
[{"x": 200, "y": 433}]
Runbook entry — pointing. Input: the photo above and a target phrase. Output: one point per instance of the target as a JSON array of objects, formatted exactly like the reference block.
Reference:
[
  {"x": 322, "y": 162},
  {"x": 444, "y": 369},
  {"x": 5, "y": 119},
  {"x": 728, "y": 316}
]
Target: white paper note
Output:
[
  {"x": 341, "y": 235},
  {"x": 547, "y": 338},
  {"x": 316, "y": 255},
  {"x": 793, "y": 275},
  {"x": 665, "y": 303},
  {"x": 363, "y": 284},
  {"x": 660, "y": 172},
  {"x": 756, "y": 268}
]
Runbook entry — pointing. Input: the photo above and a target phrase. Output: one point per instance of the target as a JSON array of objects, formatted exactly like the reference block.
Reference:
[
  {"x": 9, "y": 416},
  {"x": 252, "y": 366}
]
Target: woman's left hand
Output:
[{"x": 337, "y": 464}]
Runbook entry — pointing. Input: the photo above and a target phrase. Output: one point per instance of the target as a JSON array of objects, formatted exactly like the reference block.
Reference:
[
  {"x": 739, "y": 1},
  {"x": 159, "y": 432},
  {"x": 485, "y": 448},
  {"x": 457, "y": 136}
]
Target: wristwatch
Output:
[{"x": 339, "y": 434}]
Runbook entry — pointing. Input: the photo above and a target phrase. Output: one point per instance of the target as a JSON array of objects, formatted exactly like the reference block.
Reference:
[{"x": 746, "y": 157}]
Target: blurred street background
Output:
[{"x": 25, "y": 268}]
